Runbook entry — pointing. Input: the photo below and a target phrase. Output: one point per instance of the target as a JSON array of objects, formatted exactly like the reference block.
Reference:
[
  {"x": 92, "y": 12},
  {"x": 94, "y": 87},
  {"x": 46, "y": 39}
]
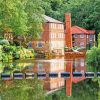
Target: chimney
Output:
[
  {"x": 68, "y": 34},
  {"x": 69, "y": 67}
]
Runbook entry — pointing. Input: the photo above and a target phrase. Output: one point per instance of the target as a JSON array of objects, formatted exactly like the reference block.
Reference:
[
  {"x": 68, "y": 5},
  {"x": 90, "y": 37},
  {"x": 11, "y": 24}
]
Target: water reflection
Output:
[
  {"x": 74, "y": 65},
  {"x": 54, "y": 65},
  {"x": 48, "y": 66}
]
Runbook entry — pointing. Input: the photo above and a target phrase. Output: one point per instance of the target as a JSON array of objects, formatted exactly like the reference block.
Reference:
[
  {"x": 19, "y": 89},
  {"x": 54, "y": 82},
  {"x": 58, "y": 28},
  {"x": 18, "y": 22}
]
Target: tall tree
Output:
[
  {"x": 21, "y": 17},
  {"x": 85, "y": 13},
  {"x": 12, "y": 16},
  {"x": 34, "y": 12}
]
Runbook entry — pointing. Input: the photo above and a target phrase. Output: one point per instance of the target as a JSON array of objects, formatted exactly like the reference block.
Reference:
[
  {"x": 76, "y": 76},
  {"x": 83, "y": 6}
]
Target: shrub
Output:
[{"x": 93, "y": 57}]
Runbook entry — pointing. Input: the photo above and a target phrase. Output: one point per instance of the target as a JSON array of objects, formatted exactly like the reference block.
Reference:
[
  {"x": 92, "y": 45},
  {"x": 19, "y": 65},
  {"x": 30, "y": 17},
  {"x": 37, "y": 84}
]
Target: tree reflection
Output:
[{"x": 22, "y": 90}]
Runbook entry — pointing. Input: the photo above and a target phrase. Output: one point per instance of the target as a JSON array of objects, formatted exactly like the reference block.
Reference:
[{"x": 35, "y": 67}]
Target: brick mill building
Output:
[
  {"x": 76, "y": 36},
  {"x": 53, "y": 38}
]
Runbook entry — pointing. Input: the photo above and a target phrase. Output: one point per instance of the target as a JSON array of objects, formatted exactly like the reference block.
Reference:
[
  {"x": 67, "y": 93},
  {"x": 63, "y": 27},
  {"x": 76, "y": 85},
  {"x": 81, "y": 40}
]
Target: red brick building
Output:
[
  {"x": 77, "y": 36},
  {"x": 53, "y": 36}
]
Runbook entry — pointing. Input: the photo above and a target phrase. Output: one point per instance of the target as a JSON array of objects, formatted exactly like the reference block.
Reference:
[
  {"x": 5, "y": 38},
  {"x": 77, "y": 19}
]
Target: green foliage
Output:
[
  {"x": 8, "y": 53},
  {"x": 21, "y": 17},
  {"x": 93, "y": 57},
  {"x": 85, "y": 13},
  {"x": 85, "y": 90},
  {"x": 13, "y": 16},
  {"x": 99, "y": 40},
  {"x": 35, "y": 19},
  {"x": 4, "y": 42},
  {"x": 22, "y": 90}
]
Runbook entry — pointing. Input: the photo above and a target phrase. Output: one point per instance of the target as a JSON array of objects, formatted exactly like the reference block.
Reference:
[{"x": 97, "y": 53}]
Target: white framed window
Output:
[
  {"x": 40, "y": 67},
  {"x": 82, "y": 63},
  {"x": 53, "y": 35},
  {"x": 87, "y": 36},
  {"x": 39, "y": 45},
  {"x": 60, "y": 35},
  {"x": 82, "y": 36},
  {"x": 75, "y": 35},
  {"x": 75, "y": 43},
  {"x": 81, "y": 44},
  {"x": 91, "y": 36}
]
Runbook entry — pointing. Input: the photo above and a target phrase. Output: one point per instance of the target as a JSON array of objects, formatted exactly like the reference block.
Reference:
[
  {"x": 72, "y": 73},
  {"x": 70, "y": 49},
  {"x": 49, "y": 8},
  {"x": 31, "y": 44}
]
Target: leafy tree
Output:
[
  {"x": 12, "y": 16},
  {"x": 85, "y": 13},
  {"x": 34, "y": 12},
  {"x": 21, "y": 17},
  {"x": 99, "y": 40}
]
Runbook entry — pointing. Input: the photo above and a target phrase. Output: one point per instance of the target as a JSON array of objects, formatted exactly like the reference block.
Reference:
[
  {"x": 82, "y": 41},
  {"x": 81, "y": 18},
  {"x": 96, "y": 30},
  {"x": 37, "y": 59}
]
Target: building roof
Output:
[
  {"x": 79, "y": 30},
  {"x": 52, "y": 20}
]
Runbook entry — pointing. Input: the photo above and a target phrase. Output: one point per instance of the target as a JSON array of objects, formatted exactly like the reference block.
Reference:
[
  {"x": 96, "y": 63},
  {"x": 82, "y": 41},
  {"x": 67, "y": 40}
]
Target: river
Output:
[{"x": 53, "y": 66}]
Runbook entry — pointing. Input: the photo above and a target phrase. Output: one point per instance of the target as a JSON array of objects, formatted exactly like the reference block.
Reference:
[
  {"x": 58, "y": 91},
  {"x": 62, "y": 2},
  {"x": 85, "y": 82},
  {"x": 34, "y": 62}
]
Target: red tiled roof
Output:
[
  {"x": 79, "y": 30},
  {"x": 91, "y": 31}
]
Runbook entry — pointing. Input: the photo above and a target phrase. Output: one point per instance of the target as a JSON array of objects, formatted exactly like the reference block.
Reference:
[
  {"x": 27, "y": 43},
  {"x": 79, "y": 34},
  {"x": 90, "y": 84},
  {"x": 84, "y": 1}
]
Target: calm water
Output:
[{"x": 50, "y": 85}]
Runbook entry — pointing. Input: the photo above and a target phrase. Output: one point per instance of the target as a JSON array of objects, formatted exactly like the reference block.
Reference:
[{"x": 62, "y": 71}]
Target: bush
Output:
[
  {"x": 93, "y": 57},
  {"x": 4, "y": 42}
]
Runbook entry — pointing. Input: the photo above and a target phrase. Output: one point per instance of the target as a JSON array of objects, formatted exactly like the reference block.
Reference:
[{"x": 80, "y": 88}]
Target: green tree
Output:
[
  {"x": 85, "y": 13},
  {"x": 13, "y": 17},
  {"x": 35, "y": 19},
  {"x": 22, "y": 17},
  {"x": 99, "y": 40}
]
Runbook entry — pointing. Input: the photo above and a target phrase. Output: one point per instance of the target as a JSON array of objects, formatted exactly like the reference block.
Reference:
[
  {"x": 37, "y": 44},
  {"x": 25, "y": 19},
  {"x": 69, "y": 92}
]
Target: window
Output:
[
  {"x": 81, "y": 44},
  {"x": 52, "y": 35},
  {"x": 60, "y": 35},
  {"x": 40, "y": 67},
  {"x": 87, "y": 36},
  {"x": 82, "y": 36},
  {"x": 75, "y": 43},
  {"x": 30, "y": 45},
  {"x": 39, "y": 45},
  {"x": 91, "y": 36},
  {"x": 82, "y": 63},
  {"x": 75, "y": 36}
]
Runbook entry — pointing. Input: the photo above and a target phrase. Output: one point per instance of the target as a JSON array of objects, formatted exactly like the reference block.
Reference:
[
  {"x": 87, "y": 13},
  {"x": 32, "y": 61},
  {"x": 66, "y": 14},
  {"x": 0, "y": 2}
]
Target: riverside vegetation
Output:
[{"x": 10, "y": 52}]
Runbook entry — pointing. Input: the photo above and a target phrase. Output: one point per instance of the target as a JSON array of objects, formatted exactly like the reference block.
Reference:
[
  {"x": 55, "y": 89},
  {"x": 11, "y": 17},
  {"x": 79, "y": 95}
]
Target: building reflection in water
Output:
[
  {"x": 54, "y": 65},
  {"x": 74, "y": 65},
  {"x": 58, "y": 66}
]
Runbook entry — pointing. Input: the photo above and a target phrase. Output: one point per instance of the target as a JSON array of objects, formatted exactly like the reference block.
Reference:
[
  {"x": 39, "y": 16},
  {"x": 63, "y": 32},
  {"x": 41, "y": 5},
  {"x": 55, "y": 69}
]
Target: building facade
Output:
[
  {"x": 76, "y": 36},
  {"x": 53, "y": 36},
  {"x": 82, "y": 37}
]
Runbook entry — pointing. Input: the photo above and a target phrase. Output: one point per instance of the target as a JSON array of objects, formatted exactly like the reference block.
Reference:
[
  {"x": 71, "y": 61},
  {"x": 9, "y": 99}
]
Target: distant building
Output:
[
  {"x": 82, "y": 37},
  {"x": 53, "y": 36},
  {"x": 76, "y": 36}
]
